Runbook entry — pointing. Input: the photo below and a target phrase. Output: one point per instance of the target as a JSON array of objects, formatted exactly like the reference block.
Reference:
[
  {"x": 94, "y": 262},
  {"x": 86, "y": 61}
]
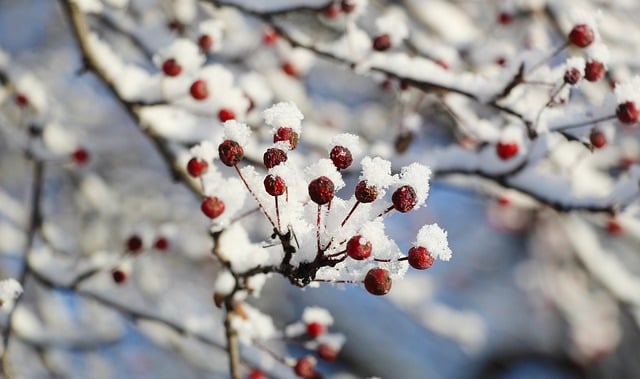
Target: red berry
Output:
[
  {"x": 315, "y": 329},
  {"x": 505, "y": 18},
  {"x": 377, "y": 281},
  {"x": 404, "y": 199},
  {"x": 364, "y": 193},
  {"x": 205, "y": 42},
  {"x": 161, "y": 243},
  {"x": 572, "y": 76},
  {"x": 256, "y": 374},
  {"x": 332, "y": 11},
  {"x": 290, "y": 69},
  {"x": 176, "y": 26},
  {"x": 226, "y": 114},
  {"x": 419, "y": 258},
  {"x": 581, "y": 35},
  {"x": 118, "y": 275},
  {"x": 212, "y": 207},
  {"x": 442, "y": 63},
  {"x": 627, "y": 112},
  {"x": 305, "y": 368},
  {"x": 506, "y": 150},
  {"x": 597, "y": 138},
  {"x": 359, "y": 248},
  {"x": 382, "y": 42},
  {"x": 269, "y": 36},
  {"x": 197, "y": 167},
  {"x": 321, "y": 190},
  {"x": 504, "y": 201},
  {"x": 347, "y": 6},
  {"x": 327, "y": 352},
  {"x": 286, "y": 134},
  {"x": 501, "y": 61},
  {"x": 170, "y": 67},
  {"x": 230, "y": 152},
  {"x": 273, "y": 157},
  {"x": 80, "y": 156},
  {"x": 134, "y": 244},
  {"x": 341, "y": 157},
  {"x": 614, "y": 227},
  {"x": 594, "y": 71},
  {"x": 199, "y": 90},
  {"x": 274, "y": 185},
  {"x": 21, "y": 100}
]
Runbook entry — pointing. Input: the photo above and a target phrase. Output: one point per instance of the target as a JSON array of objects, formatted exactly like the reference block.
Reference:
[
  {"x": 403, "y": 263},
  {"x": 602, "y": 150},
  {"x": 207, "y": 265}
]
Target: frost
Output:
[
  {"x": 184, "y": 51},
  {"x": 417, "y": 176},
  {"x": 599, "y": 52},
  {"x": 237, "y": 131},
  {"x": 434, "y": 239},
  {"x": 213, "y": 28},
  {"x": 317, "y": 314},
  {"x": 324, "y": 167},
  {"x": 254, "y": 326},
  {"x": 577, "y": 63},
  {"x": 628, "y": 90},
  {"x": 347, "y": 140},
  {"x": 377, "y": 172},
  {"x": 10, "y": 290},
  {"x": 284, "y": 115}
]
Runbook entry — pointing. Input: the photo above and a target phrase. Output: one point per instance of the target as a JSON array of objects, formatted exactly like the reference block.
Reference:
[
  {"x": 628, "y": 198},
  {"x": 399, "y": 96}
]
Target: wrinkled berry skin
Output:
[
  {"x": 581, "y": 35},
  {"x": 230, "y": 152},
  {"x": 321, "y": 190},
  {"x": 273, "y": 157},
  {"x": 420, "y": 258},
  {"x": 341, "y": 157},
  {"x": 627, "y": 112},
  {"x": 377, "y": 281},
  {"x": 572, "y": 76},
  {"x": 274, "y": 185},
  {"x": 594, "y": 71},
  {"x": 358, "y": 250},
  {"x": 404, "y": 199},
  {"x": 382, "y": 42},
  {"x": 286, "y": 134},
  {"x": 365, "y": 193}
]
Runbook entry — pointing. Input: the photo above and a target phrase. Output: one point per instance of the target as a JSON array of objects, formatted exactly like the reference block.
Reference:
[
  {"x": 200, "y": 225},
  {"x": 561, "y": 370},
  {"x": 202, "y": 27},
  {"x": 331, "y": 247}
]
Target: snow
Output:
[
  {"x": 317, "y": 314},
  {"x": 237, "y": 131},
  {"x": 377, "y": 172},
  {"x": 10, "y": 290},
  {"x": 434, "y": 239},
  {"x": 284, "y": 114},
  {"x": 89, "y": 6},
  {"x": 28, "y": 85},
  {"x": 225, "y": 283},
  {"x": 205, "y": 151},
  {"x": 394, "y": 24},
  {"x": 347, "y": 140},
  {"x": 184, "y": 51},
  {"x": 214, "y": 29},
  {"x": 185, "y": 11},
  {"x": 255, "y": 86},
  {"x": 417, "y": 176},
  {"x": 256, "y": 325},
  {"x": 577, "y": 63},
  {"x": 324, "y": 167},
  {"x": 598, "y": 51},
  {"x": 628, "y": 90}
]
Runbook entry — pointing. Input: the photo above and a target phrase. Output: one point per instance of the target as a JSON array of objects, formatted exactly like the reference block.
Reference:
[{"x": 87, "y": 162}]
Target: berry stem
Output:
[
  {"x": 318, "y": 231},
  {"x": 391, "y": 260},
  {"x": 336, "y": 254},
  {"x": 337, "y": 281},
  {"x": 349, "y": 214},
  {"x": 557, "y": 51},
  {"x": 255, "y": 197},
  {"x": 584, "y": 123},
  {"x": 277, "y": 213},
  {"x": 385, "y": 211}
]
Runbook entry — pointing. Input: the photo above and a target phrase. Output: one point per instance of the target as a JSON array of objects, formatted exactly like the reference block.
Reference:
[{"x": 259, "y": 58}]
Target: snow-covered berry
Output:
[
  {"x": 171, "y": 67},
  {"x": 286, "y": 134},
  {"x": 332, "y": 10},
  {"x": 226, "y": 114},
  {"x": 572, "y": 76},
  {"x": 305, "y": 367},
  {"x": 506, "y": 150},
  {"x": 365, "y": 193},
  {"x": 198, "y": 90},
  {"x": 290, "y": 69},
  {"x": 420, "y": 258},
  {"x": 505, "y": 18},
  {"x": 273, "y": 157},
  {"x": 21, "y": 100},
  {"x": 321, "y": 190},
  {"x": 348, "y": 6},
  {"x": 230, "y": 152},
  {"x": 627, "y": 112},
  {"x": 359, "y": 248},
  {"x": 581, "y": 35},
  {"x": 377, "y": 281},
  {"x": 341, "y": 157},
  {"x": 212, "y": 207},
  {"x": 382, "y": 42},
  {"x": 594, "y": 70},
  {"x": 256, "y": 374},
  {"x": 404, "y": 199},
  {"x": 197, "y": 167},
  {"x": 274, "y": 185},
  {"x": 205, "y": 42}
]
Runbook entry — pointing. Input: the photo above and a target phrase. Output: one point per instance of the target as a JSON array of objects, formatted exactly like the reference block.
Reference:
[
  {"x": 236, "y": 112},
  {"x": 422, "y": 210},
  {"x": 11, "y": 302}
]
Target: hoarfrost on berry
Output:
[
  {"x": 434, "y": 239},
  {"x": 417, "y": 176},
  {"x": 324, "y": 167},
  {"x": 377, "y": 172},
  {"x": 348, "y": 140},
  {"x": 237, "y": 131},
  {"x": 284, "y": 114}
]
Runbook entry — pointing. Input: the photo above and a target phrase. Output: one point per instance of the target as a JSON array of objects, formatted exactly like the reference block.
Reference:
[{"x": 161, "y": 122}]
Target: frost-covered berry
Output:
[
  {"x": 347, "y": 6},
  {"x": 161, "y": 243},
  {"x": 365, "y": 193},
  {"x": 273, "y": 157},
  {"x": 305, "y": 368},
  {"x": 134, "y": 244},
  {"x": 597, "y": 139},
  {"x": 420, "y": 258},
  {"x": 256, "y": 374},
  {"x": 230, "y": 152},
  {"x": 315, "y": 329},
  {"x": 506, "y": 150},
  {"x": 572, "y": 76},
  {"x": 321, "y": 190},
  {"x": 382, "y": 42},
  {"x": 197, "y": 167},
  {"x": 286, "y": 134},
  {"x": 290, "y": 69},
  {"x": 80, "y": 156},
  {"x": 171, "y": 67},
  {"x": 212, "y": 207},
  {"x": 377, "y": 281},
  {"x": 118, "y": 275},
  {"x": 594, "y": 71},
  {"x": 341, "y": 157},
  {"x": 205, "y": 42},
  {"x": 581, "y": 35},
  {"x": 359, "y": 248},
  {"x": 226, "y": 114},
  {"x": 327, "y": 352},
  {"x": 404, "y": 199},
  {"x": 21, "y": 100},
  {"x": 198, "y": 90},
  {"x": 627, "y": 112},
  {"x": 274, "y": 185}
]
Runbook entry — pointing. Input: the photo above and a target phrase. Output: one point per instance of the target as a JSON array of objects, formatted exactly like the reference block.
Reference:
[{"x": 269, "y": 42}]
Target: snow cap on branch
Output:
[
  {"x": 434, "y": 239},
  {"x": 10, "y": 290}
]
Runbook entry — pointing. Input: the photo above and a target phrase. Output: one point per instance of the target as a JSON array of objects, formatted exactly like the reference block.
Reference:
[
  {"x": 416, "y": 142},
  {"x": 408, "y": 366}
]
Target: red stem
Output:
[
  {"x": 386, "y": 211},
  {"x": 277, "y": 213},
  {"x": 254, "y": 196},
  {"x": 348, "y": 215}
]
